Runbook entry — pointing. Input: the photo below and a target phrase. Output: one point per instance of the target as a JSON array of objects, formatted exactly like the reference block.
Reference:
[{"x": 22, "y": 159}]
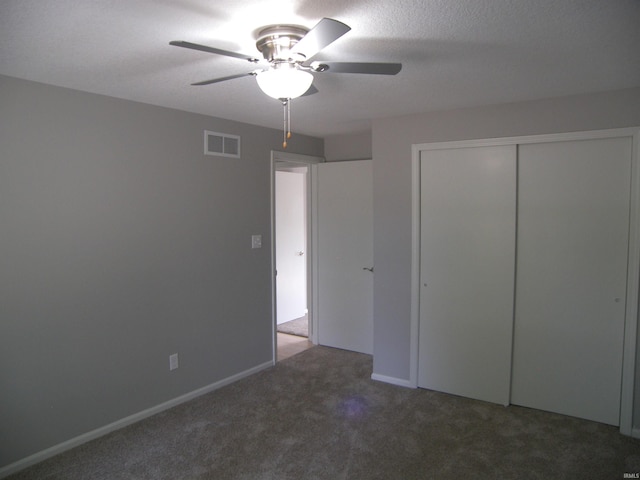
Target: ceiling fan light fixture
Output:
[{"x": 284, "y": 83}]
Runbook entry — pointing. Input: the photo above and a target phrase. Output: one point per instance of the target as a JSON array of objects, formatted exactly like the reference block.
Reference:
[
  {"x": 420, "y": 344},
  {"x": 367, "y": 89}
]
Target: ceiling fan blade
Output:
[
  {"x": 217, "y": 51},
  {"x": 223, "y": 79},
  {"x": 312, "y": 90},
  {"x": 324, "y": 33},
  {"x": 358, "y": 67}
]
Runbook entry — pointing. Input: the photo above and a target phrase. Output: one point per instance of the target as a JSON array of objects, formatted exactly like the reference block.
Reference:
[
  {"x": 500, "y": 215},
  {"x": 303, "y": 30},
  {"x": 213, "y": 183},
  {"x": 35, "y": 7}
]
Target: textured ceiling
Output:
[{"x": 455, "y": 53}]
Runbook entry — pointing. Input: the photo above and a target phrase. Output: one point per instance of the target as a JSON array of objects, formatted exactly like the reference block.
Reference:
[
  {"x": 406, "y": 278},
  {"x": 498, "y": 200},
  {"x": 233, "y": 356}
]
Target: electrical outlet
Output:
[
  {"x": 173, "y": 361},
  {"x": 256, "y": 241}
]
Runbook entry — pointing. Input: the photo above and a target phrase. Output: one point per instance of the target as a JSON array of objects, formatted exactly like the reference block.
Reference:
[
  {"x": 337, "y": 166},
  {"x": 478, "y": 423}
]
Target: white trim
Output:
[
  {"x": 414, "y": 363},
  {"x": 123, "y": 422},
  {"x": 313, "y": 238},
  {"x": 631, "y": 316},
  {"x": 295, "y": 159},
  {"x": 401, "y": 382},
  {"x": 553, "y": 137}
]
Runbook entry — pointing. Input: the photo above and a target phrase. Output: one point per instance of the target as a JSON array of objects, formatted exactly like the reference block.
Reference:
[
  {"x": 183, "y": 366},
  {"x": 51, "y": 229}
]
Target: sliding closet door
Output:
[
  {"x": 573, "y": 217},
  {"x": 468, "y": 210}
]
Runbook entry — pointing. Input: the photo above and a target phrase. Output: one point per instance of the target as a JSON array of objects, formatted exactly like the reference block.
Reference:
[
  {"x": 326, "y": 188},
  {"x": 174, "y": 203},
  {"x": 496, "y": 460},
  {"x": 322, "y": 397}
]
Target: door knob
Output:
[
  {"x": 370, "y": 269},
  {"x": 300, "y": 253}
]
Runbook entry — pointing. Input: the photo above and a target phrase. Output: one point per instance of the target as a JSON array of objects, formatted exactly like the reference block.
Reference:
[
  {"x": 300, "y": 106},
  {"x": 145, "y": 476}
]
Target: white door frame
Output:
[
  {"x": 633, "y": 272},
  {"x": 278, "y": 160}
]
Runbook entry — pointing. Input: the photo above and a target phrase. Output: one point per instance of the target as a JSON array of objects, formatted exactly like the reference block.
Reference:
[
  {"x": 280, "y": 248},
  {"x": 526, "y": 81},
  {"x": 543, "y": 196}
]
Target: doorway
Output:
[
  {"x": 291, "y": 246},
  {"x": 291, "y": 253}
]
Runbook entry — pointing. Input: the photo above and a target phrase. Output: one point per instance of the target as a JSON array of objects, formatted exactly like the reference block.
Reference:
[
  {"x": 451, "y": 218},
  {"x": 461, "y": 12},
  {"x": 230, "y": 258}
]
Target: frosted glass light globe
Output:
[{"x": 284, "y": 83}]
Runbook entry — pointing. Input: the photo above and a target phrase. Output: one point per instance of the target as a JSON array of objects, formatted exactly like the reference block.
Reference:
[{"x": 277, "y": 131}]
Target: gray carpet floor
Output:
[
  {"x": 318, "y": 415},
  {"x": 299, "y": 327}
]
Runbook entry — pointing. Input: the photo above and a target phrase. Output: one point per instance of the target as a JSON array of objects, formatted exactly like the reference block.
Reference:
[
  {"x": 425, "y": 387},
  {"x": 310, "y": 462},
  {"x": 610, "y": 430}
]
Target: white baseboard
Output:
[
  {"x": 136, "y": 417},
  {"x": 401, "y": 382},
  {"x": 635, "y": 432}
]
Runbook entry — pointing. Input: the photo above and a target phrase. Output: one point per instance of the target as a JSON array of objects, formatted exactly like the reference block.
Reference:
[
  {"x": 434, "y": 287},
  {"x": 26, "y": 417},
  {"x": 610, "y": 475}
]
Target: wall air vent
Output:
[{"x": 221, "y": 144}]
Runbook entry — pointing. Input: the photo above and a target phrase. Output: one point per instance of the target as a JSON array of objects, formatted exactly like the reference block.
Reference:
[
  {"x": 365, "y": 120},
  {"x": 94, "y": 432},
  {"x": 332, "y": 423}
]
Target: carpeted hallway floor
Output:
[
  {"x": 318, "y": 415},
  {"x": 298, "y": 326}
]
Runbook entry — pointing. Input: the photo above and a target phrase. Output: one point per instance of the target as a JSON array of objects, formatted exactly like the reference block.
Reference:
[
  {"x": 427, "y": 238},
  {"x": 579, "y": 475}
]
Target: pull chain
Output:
[
  {"x": 289, "y": 119},
  {"x": 286, "y": 127},
  {"x": 284, "y": 122}
]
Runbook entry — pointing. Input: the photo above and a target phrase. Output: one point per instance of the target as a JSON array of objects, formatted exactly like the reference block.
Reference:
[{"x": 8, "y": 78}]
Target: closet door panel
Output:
[
  {"x": 573, "y": 217},
  {"x": 468, "y": 208}
]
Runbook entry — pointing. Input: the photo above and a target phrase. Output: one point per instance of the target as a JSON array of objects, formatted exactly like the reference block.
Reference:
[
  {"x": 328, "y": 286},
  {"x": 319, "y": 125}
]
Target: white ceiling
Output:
[{"x": 455, "y": 53}]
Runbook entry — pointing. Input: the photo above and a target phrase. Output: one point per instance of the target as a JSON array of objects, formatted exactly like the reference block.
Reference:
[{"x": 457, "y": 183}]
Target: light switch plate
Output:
[
  {"x": 256, "y": 241},
  {"x": 173, "y": 361}
]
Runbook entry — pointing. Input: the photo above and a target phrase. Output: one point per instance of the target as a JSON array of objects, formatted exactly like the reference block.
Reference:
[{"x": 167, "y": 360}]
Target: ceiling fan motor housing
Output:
[{"x": 275, "y": 43}]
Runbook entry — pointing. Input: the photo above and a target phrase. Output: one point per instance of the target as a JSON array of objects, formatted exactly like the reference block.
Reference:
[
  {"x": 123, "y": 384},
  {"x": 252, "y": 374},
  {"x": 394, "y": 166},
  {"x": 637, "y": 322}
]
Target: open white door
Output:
[{"x": 343, "y": 228}]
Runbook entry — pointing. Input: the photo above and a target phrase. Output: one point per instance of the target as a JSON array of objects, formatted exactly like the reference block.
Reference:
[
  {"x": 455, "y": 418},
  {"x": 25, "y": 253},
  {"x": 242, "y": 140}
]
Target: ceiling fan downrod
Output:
[{"x": 275, "y": 43}]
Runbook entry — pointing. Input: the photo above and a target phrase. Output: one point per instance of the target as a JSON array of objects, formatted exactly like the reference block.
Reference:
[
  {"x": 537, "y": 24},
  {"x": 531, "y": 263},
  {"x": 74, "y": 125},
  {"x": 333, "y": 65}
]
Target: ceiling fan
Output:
[{"x": 288, "y": 49}]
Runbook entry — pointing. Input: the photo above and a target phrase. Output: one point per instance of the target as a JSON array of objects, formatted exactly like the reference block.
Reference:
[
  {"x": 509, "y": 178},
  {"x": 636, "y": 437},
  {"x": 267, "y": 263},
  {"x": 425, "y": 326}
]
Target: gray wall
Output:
[
  {"x": 120, "y": 244},
  {"x": 348, "y": 147},
  {"x": 392, "y": 141}
]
